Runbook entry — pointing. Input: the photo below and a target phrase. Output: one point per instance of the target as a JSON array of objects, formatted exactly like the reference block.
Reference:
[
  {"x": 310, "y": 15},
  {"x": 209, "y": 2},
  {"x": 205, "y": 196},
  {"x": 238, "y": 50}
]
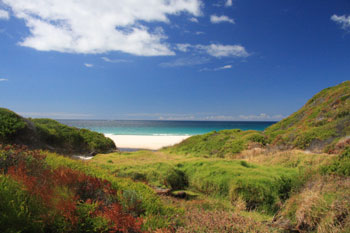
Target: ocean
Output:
[{"x": 153, "y": 127}]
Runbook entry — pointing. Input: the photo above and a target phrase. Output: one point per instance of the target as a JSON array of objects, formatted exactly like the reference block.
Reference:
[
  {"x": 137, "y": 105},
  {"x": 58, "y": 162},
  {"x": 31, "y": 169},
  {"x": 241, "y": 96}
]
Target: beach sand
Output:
[{"x": 145, "y": 142}]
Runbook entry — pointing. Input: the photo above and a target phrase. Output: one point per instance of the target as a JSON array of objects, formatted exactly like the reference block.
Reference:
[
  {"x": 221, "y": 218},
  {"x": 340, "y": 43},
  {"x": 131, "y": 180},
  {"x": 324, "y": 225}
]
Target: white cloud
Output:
[
  {"x": 224, "y": 67},
  {"x": 194, "y": 20},
  {"x": 106, "y": 59},
  {"x": 3, "y": 80},
  {"x": 215, "y": 50},
  {"x": 192, "y": 61},
  {"x": 216, "y": 69},
  {"x": 343, "y": 20},
  {"x": 228, "y": 3},
  {"x": 87, "y": 26},
  {"x": 183, "y": 47},
  {"x": 219, "y": 50},
  {"x": 221, "y": 19},
  {"x": 199, "y": 33},
  {"x": 4, "y": 14},
  {"x": 88, "y": 65}
]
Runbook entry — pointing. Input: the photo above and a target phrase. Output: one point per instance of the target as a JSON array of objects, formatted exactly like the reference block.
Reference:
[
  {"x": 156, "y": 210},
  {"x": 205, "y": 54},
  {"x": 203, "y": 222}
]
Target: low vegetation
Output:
[
  {"x": 227, "y": 181},
  {"x": 320, "y": 125},
  {"x": 44, "y": 192},
  {"x": 10, "y": 125},
  {"x": 50, "y": 135},
  {"x": 73, "y": 140},
  {"x": 262, "y": 188},
  {"x": 219, "y": 144}
]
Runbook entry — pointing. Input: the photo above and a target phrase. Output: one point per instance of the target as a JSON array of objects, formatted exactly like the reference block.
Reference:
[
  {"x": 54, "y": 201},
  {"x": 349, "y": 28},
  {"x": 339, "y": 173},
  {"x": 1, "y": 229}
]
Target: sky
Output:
[{"x": 170, "y": 59}]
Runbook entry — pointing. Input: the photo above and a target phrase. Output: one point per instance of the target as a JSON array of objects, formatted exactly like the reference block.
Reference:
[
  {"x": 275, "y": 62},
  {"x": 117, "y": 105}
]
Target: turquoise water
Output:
[{"x": 126, "y": 127}]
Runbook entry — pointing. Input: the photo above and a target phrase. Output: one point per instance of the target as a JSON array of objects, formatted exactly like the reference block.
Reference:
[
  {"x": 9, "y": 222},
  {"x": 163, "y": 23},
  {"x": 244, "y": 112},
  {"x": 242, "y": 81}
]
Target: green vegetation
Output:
[
  {"x": 227, "y": 181},
  {"x": 340, "y": 165},
  {"x": 10, "y": 125},
  {"x": 56, "y": 194},
  {"x": 219, "y": 144},
  {"x": 50, "y": 135},
  {"x": 260, "y": 187},
  {"x": 319, "y": 125},
  {"x": 73, "y": 140}
]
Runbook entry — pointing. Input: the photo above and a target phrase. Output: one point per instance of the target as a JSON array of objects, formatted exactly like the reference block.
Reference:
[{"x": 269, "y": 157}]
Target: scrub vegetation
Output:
[
  {"x": 292, "y": 177},
  {"x": 50, "y": 135}
]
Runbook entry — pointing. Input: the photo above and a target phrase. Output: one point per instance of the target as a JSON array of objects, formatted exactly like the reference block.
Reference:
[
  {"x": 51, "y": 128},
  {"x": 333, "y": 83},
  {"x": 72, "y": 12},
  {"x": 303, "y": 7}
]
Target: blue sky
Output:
[{"x": 171, "y": 60}]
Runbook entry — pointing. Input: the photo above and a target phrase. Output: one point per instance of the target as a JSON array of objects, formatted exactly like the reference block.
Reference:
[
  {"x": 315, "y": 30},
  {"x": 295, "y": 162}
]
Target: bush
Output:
[
  {"x": 340, "y": 165},
  {"x": 176, "y": 179},
  {"x": 10, "y": 124},
  {"x": 70, "y": 139},
  {"x": 57, "y": 199}
]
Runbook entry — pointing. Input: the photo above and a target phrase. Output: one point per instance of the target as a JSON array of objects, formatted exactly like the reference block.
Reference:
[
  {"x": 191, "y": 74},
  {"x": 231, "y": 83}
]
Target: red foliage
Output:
[
  {"x": 120, "y": 222},
  {"x": 39, "y": 180}
]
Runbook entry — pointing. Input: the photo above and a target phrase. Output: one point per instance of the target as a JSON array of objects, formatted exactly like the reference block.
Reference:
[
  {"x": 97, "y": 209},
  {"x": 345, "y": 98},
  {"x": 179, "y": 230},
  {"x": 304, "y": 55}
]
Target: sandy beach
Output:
[{"x": 145, "y": 142}]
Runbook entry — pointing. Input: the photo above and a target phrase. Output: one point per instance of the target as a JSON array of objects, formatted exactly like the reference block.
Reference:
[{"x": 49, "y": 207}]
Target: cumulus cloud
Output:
[
  {"x": 228, "y": 3},
  {"x": 106, "y": 59},
  {"x": 87, "y": 26},
  {"x": 88, "y": 65},
  {"x": 343, "y": 20},
  {"x": 219, "y": 50},
  {"x": 3, "y": 80},
  {"x": 194, "y": 20},
  {"x": 221, "y": 19},
  {"x": 4, "y": 14}
]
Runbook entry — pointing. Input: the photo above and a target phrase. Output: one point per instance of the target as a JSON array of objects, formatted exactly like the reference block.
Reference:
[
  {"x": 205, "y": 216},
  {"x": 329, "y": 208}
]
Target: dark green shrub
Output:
[
  {"x": 176, "y": 179},
  {"x": 10, "y": 124}
]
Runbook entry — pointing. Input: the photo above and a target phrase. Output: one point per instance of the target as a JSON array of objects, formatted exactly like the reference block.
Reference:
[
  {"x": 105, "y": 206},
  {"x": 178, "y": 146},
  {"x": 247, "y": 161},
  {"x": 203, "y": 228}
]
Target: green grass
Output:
[
  {"x": 319, "y": 124},
  {"x": 261, "y": 187},
  {"x": 218, "y": 144}
]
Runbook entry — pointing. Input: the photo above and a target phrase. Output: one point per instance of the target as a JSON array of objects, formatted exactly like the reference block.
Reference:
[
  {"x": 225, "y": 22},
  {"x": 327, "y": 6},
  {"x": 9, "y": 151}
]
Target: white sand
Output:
[{"x": 145, "y": 142}]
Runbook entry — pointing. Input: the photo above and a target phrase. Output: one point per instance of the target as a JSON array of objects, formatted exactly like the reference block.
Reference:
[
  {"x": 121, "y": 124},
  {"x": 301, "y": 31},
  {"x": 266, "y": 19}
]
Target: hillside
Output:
[
  {"x": 322, "y": 124},
  {"x": 50, "y": 135},
  {"x": 220, "y": 144}
]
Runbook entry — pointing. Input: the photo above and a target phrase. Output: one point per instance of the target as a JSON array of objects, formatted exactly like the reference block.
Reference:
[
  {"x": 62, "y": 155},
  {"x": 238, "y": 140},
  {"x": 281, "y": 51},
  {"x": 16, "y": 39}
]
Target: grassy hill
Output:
[
  {"x": 323, "y": 123},
  {"x": 50, "y": 135},
  {"x": 220, "y": 144}
]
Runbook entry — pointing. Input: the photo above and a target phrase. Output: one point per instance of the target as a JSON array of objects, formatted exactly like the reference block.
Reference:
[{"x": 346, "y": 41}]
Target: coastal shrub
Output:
[
  {"x": 151, "y": 209},
  {"x": 339, "y": 165},
  {"x": 70, "y": 139},
  {"x": 65, "y": 200},
  {"x": 176, "y": 179},
  {"x": 19, "y": 211},
  {"x": 10, "y": 124},
  {"x": 321, "y": 206}
]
